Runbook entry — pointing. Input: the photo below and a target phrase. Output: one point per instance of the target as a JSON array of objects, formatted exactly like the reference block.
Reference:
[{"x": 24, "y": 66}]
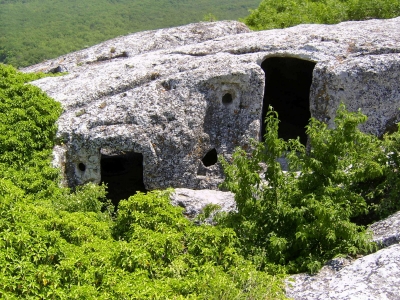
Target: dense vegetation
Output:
[
  {"x": 59, "y": 244},
  {"x": 34, "y": 30},
  {"x": 285, "y": 13},
  {"x": 317, "y": 210}
]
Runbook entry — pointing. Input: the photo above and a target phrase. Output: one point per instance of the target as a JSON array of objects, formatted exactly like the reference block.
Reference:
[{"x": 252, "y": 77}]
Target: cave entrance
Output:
[
  {"x": 210, "y": 158},
  {"x": 123, "y": 174},
  {"x": 287, "y": 90}
]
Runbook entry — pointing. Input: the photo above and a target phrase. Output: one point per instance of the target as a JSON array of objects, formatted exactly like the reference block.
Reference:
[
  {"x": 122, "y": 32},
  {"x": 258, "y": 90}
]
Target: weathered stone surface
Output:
[
  {"x": 375, "y": 276},
  {"x": 175, "y": 95},
  {"x": 387, "y": 231},
  {"x": 194, "y": 201},
  {"x": 140, "y": 42}
]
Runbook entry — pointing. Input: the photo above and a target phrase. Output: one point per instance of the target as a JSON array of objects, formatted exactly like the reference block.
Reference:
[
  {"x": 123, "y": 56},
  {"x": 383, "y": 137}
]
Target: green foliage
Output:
[
  {"x": 63, "y": 255},
  {"x": 210, "y": 18},
  {"x": 34, "y": 30},
  {"x": 382, "y": 193},
  {"x": 196, "y": 261},
  {"x": 285, "y": 13},
  {"x": 84, "y": 199},
  {"x": 208, "y": 214},
  {"x": 58, "y": 244},
  {"x": 26, "y": 133},
  {"x": 28, "y": 117},
  {"x": 303, "y": 217}
]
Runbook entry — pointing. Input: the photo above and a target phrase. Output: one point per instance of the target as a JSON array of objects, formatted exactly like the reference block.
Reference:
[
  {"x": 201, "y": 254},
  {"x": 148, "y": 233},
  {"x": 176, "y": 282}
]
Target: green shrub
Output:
[
  {"x": 59, "y": 244},
  {"x": 196, "y": 261},
  {"x": 302, "y": 218},
  {"x": 382, "y": 193},
  {"x": 285, "y": 13}
]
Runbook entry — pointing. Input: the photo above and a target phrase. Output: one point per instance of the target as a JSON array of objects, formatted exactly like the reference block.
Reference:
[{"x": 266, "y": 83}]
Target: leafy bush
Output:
[
  {"x": 285, "y": 13},
  {"x": 58, "y": 244},
  {"x": 382, "y": 193},
  {"x": 301, "y": 218},
  {"x": 28, "y": 117},
  {"x": 199, "y": 261}
]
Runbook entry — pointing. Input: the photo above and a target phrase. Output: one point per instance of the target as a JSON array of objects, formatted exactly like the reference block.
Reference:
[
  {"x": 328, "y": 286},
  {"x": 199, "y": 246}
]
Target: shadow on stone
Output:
[
  {"x": 210, "y": 158},
  {"x": 123, "y": 174},
  {"x": 287, "y": 88}
]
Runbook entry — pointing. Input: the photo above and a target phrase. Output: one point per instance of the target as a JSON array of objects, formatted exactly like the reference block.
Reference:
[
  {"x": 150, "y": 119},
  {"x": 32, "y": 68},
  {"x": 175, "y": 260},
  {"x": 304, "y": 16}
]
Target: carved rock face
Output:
[{"x": 181, "y": 96}]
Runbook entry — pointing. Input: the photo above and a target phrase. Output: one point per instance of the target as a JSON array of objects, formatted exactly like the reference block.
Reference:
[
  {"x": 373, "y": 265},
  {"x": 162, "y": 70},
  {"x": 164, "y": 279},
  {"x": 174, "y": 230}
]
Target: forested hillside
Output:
[
  {"x": 34, "y": 30},
  {"x": 285, "y": 13}
]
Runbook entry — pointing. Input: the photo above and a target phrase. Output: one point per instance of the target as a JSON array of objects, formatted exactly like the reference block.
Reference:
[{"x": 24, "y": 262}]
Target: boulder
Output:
[
  {"x": 158, "y": 107},
  {"x": 372, "y": 277},
  {"x": 387, "y": 232},
  {"x": 194, "y": 201}
]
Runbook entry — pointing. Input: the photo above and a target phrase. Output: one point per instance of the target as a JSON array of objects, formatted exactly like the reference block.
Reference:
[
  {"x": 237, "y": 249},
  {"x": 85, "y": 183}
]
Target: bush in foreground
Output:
[
  {"x": 301, "y": 218},
  {"x": 59, "y": 244}
]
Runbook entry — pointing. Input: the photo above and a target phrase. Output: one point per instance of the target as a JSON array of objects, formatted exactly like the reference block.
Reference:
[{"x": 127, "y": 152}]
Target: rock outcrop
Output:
[
  {"x": 194, "y": 201},
  {"x": 373, "y": 277},
  {"x": 170, "y": 101}
]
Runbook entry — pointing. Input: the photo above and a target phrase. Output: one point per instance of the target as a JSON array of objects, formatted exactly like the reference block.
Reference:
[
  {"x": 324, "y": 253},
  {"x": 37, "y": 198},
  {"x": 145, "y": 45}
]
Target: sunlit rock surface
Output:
[
  {"x": 194, "y": 201},
  {"x": 177, "y": 98},
  {"x": 372, "y": 277}
]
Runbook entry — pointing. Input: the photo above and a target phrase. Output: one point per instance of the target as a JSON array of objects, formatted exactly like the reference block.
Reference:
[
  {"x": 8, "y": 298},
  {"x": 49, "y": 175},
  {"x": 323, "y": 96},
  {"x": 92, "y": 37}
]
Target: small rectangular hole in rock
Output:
[{"x": 123, "y": 174}]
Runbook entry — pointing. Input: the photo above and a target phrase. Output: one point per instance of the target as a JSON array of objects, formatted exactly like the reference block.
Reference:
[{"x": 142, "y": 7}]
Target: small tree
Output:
[{"x": 303, "y": 217}]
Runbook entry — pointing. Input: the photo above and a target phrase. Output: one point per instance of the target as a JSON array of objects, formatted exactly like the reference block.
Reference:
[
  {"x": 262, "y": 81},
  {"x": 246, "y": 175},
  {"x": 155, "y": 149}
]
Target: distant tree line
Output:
[{"x": 285, "y": 13}]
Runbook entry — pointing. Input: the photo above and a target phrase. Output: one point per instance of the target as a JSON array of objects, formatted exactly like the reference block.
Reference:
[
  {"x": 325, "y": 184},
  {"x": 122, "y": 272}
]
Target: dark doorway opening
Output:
[
  {"x": 287, "y": 88},
  {"x": 123, "y": 174}
]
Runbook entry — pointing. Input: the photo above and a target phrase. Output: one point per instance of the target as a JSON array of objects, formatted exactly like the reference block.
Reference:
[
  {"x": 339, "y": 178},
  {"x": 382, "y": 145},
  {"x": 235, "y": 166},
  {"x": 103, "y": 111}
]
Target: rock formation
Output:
[
  {"x": 168, "y": 102},
  {"x": 194, "y": 201},
  {"x": 373, "y": 277}
]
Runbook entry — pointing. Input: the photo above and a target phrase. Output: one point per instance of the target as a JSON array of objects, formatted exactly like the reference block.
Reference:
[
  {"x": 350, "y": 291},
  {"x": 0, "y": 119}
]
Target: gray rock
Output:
[
  {"x": 180, "y": 96},
  {"x": 194, "y": 201},
  {"x": 387, "y": 232},
  {"x": 373, "y": 277}
]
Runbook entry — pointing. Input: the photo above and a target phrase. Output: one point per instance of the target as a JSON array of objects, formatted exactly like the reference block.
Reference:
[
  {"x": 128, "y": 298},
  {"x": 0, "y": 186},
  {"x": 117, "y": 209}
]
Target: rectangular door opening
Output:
[
  {"x": 123, "y": 174},
  {"x": 287, "y": 89}
]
